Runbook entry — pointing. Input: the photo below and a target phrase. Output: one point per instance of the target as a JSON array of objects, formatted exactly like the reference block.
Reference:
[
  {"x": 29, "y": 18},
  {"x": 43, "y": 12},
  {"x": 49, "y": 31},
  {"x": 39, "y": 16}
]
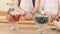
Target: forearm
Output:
[
  {"x": 37, "y": 6},
  {"x": 35, "y": 10},
  {"x": 18, "y": 9}
]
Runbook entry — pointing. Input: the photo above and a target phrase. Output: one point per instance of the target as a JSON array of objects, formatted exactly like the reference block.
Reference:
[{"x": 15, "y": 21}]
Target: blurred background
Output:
[{"x": 28, "y": 26}]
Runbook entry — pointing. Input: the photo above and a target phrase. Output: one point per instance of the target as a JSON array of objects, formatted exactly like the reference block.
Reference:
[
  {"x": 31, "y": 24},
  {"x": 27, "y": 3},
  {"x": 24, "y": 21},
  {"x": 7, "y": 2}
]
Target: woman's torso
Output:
[
  {"x": 26, "y": 5},
  {"x": 50, "y": 6}
]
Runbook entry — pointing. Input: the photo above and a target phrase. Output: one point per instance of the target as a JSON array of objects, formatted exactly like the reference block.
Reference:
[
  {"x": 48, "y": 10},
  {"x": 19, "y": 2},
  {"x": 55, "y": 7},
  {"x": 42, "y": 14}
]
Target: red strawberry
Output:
[
  {"x": 17, "y": 16},
  {"x": 58, "y": 17},
  {"x": 10, "y": 18},
  {"x": 52, "y": 20}
]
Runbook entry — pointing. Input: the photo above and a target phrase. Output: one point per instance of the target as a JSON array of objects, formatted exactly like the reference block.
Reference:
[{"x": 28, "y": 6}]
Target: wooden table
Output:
[{"x": 23, "y": 29}]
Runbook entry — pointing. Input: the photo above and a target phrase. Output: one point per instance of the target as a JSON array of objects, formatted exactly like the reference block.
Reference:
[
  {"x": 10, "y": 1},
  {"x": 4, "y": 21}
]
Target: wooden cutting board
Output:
[{"x": 27, "y": 22}]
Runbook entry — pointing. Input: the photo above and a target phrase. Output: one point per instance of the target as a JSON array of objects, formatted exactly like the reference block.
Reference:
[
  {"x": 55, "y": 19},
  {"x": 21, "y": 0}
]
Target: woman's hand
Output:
[
  {"x": 29, "y": 16},
  {"x": 49, "y": 14}
]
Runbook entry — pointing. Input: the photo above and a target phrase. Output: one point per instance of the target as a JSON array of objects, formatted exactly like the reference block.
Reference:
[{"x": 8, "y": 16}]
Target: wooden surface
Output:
[
  {"x": 3, "y": 13},
  {"x": 24, "y": 29}
]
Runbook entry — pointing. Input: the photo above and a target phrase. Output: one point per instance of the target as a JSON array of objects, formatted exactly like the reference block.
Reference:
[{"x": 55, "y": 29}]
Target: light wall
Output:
[{"x": 4, "y": 6}]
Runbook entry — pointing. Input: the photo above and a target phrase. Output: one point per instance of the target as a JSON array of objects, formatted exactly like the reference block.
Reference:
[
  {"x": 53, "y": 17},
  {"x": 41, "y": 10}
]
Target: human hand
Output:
[
  {"x": 48, "y": 14},
  {"x": 23, "y": 13},
  {"x": 29, "y": 16}
]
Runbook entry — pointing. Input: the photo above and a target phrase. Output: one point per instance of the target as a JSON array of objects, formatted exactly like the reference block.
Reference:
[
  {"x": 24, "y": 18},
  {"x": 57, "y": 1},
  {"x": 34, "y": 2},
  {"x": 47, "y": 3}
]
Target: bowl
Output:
[{"x": 57, "y": 25}]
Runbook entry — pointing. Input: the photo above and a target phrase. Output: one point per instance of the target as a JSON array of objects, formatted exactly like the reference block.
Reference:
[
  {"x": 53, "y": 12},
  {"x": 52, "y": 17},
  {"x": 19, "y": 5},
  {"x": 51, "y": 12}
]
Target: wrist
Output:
[{"x": 32, "y": 13}]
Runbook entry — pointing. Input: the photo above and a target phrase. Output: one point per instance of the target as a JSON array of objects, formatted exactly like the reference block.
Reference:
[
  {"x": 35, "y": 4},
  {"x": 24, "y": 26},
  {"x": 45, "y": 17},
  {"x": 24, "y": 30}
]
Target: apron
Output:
[{"x": 50, "y": 6}]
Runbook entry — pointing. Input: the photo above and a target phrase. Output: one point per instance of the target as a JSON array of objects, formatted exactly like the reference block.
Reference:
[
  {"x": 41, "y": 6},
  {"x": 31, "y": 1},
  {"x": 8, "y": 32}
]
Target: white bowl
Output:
[{"x": 57, "y": 25}]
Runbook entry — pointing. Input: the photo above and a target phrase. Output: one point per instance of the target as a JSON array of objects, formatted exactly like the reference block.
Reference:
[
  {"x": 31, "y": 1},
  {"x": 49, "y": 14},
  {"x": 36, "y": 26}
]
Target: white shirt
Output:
[
  {"x": 50, "y": 6},
  {"x": 26, "y": 5}
]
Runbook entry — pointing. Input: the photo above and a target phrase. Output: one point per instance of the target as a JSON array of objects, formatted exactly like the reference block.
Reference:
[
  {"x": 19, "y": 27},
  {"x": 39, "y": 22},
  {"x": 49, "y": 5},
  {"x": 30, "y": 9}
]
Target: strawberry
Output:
[
  {"x": 11, "y": 18},
  {"x": 17, "y": 16}
]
